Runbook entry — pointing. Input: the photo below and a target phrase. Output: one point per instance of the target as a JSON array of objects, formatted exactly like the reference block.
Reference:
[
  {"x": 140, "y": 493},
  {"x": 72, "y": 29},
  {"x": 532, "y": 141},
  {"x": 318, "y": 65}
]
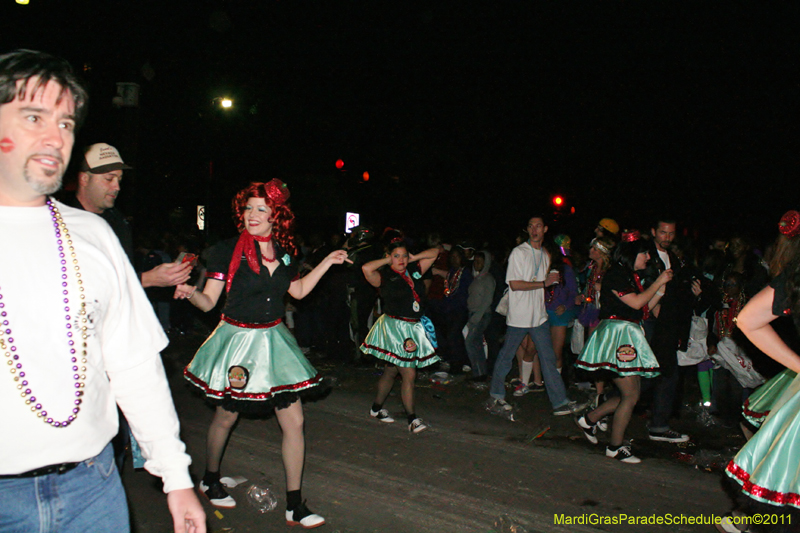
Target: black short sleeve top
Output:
[
  {"x": 398, "y": 299},
  {"x": 618, "y": 279},
  {"x": 780, "y": 302},
  {"x": 253, "y": 298}
]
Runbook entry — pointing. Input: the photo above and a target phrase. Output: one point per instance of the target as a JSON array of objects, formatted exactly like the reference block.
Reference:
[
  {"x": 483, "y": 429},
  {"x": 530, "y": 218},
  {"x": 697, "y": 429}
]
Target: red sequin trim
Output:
[
  {"x": 216, "y": 275},
  {"x": 395, "y": 356},
  {"x": 249, "y": 325},
  {"x": 239, "y": 395},
  {"x": 753, "y": 414},
  {"x": 780, "y": 498},
  {"x": 615, "y": 317},
  {"x": 611, "y": 366},
  {"x": 404, "y": 319}
]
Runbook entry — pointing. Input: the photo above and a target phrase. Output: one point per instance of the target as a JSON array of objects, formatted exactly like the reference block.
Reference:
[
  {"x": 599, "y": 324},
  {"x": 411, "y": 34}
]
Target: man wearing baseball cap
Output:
[
  {"x": 99, "y": 182},
  {"x": 607, "y": 227}
]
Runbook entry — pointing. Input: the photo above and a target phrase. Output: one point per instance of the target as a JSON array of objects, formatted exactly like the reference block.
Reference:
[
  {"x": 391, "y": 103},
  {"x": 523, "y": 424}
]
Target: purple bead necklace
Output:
[{"x": 9, "y": 349}]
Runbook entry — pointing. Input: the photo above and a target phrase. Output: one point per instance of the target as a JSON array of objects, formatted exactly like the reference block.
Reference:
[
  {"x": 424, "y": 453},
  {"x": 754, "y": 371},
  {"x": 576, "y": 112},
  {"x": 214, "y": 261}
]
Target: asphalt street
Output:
[{"x": 471, "y": 472}]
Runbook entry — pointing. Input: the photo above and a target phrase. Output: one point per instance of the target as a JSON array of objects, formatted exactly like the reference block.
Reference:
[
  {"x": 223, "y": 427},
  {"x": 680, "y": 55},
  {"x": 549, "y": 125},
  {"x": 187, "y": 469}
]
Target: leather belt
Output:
[{"x": 43, "y": 471}]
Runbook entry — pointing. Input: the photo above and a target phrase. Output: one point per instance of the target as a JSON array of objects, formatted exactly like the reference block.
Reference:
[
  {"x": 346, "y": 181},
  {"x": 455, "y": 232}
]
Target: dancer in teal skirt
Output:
[
  {"x": 767, "y": 467},
  {"x": 759, "y": 404},
  {"x": 617, "y": 348},
  {"x": 251, "y": 363},
  {"x": 401, "y": 335}
]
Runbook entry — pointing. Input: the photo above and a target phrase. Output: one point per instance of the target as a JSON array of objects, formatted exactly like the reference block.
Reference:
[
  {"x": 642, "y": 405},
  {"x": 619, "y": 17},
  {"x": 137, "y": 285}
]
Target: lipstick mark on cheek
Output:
[{"x": 6, "y": 145}]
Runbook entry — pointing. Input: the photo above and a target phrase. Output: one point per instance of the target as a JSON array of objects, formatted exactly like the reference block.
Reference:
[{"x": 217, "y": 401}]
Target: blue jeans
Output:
[
  {"x": 87, "y": 498},
  {"x": 540, "y": 336},
  {"x": 474, "y": 343}
]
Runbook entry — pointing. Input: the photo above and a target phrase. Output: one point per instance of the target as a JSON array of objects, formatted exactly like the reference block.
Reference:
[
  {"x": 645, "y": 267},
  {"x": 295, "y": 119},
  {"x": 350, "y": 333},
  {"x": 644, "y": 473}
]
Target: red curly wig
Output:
[{"x": 275, "y": 194}]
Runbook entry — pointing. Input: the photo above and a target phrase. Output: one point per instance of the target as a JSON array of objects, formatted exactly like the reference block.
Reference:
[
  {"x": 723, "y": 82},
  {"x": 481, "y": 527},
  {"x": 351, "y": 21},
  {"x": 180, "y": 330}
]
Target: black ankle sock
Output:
[
  {"x": 293, "y": 499},
  {"x": 210, "y": 477},
  {"x": 614, "y": 448},
  {"x": 412, "y": 417},
  {"x": 376, "y": 407}
]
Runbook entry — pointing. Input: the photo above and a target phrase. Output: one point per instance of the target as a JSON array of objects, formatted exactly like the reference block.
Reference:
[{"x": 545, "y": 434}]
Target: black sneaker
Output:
[
  {"x": 589, "y": 429},
  {"x": 668, "y": 436},
  {"x": 217, "y": 496},
  {"x": 303, "y": 517},
  {"x": 622, "y": 454}
]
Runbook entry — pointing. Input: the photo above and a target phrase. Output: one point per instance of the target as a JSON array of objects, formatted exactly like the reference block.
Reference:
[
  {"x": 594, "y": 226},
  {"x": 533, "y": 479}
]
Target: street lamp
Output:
[{"x": 223, "y": 101}]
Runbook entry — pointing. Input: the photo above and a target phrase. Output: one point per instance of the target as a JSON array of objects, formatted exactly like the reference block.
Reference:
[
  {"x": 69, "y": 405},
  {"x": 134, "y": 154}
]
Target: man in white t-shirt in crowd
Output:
[
  {"x": 527, "y": 276},
  {"x": 78, "y": 333}
]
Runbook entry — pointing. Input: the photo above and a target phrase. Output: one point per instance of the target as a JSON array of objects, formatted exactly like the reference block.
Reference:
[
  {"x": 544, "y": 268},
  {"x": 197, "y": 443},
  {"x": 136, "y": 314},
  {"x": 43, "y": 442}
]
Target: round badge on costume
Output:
[
  {"x": 238, "y": 376},
  {"x": 626, "y": 353},
  {"x": 409, "y": 345},
  {"x": 415, "y": 307}
]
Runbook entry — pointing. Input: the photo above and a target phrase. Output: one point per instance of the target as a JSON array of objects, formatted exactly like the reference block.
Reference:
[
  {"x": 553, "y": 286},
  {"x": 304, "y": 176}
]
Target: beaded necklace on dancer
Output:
[
  {"x": 9, "y": 348},
  {"x": 404, "y": 275}
]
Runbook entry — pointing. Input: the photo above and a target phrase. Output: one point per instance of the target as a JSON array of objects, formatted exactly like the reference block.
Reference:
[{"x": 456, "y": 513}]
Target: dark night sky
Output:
[{"x": 481, "y": 112}]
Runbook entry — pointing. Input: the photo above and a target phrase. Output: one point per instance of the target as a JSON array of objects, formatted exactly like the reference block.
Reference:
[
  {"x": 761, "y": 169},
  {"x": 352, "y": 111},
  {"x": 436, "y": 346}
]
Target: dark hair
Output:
[
  {"x": 735, "y": 277},
  {"x": 395, "y": 243},
  {"x": 556, "y": 259},
  {"x": 664, "y": 220},
  {"x": 455, "y": 251},
  {"x": 27, "y": 65},
  {"x": 714, "y": 263},
  {"x": 539, "y": 216},
  {"x": 625, "y": 253}
]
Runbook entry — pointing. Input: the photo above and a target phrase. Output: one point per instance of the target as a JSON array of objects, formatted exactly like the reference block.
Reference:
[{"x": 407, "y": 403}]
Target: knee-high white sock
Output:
[{"x": 527, "y": 369}]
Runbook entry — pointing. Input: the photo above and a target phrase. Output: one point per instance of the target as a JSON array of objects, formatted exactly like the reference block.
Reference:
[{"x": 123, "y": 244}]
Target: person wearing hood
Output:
[{"x": 479, "y": 304}]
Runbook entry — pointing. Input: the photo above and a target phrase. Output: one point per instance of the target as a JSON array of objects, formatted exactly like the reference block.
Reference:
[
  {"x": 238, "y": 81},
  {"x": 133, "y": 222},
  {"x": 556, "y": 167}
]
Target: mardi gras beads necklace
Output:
[{"x": 78, "y": 368}]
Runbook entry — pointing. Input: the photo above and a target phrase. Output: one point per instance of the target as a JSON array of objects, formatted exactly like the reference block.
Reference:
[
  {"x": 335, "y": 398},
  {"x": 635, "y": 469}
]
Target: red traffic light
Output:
[{"x": 339, "y": 164}]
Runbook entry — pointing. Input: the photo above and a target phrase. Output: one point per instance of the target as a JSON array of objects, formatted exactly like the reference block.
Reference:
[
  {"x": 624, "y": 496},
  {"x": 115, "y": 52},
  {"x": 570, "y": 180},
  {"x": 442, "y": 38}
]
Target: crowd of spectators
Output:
[{"x": 468, "y": 280}]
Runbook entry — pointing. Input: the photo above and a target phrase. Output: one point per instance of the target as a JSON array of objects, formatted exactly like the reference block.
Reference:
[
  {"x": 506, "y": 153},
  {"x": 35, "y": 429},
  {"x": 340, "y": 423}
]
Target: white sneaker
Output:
[
  {"x": 417, "y": 426},
  {"x": 569, "y": 408},
  {"x": 500, "y": 408},
  {"x": 521, "y": 390},
  {"x": 382, "y": 415},
  {"x": 301, "y": 516}
]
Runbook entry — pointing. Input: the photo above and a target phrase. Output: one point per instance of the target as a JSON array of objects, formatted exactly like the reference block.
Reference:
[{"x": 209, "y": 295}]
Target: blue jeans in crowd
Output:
[
  {"x": 474, "y": 344},
  {"x": 540, "y": 336},
  {"x": 88, "y": 498}
]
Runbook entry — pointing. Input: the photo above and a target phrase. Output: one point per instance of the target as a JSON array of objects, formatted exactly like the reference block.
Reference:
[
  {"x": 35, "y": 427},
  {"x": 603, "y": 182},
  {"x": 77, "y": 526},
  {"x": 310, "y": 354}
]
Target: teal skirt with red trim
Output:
[
  {"x": 759, "y": 404},
  {"x": 400, "y": 341},
  {"x": 766, "y": 467},
  {"x": 619, "y": 346},
  {"x": 252, "y": 368}
]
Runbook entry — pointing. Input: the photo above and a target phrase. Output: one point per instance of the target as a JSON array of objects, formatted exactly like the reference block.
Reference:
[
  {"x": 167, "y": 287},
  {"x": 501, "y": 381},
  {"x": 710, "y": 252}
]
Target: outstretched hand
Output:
[
  {"x": 338, "y": 257},
  {"x": 184, "y": 291},
  {"x": 665, "y": 277},
  {"x": 167, "y": 275}
]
